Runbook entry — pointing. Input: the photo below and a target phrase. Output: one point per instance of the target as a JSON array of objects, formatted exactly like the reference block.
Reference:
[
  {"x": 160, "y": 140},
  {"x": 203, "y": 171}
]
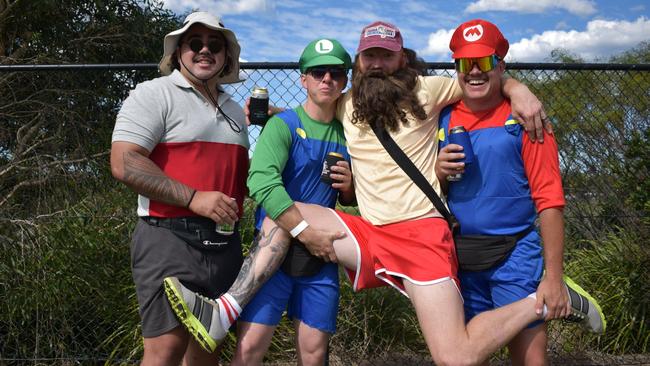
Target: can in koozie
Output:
[
  {"x": 330, "y": 160},
  {"x": 226, "y": 229},
  {"x": 459, "y": 136},
  {"x": 259, "y": 106}
]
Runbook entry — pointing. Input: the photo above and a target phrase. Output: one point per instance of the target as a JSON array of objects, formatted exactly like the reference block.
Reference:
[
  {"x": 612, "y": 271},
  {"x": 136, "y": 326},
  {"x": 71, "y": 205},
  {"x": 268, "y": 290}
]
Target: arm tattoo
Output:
[
  {"x": 146, "y": 178},
  {"x": 267, "y": 252}
]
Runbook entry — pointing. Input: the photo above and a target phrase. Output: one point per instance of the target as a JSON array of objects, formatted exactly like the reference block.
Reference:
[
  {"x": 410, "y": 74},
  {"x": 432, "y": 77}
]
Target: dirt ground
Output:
[{"x": 568, "y": 360}]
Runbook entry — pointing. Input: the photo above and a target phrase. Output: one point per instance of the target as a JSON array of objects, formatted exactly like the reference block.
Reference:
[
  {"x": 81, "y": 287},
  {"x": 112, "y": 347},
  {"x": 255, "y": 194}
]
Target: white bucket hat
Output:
[{"x": 210, "y": 21}]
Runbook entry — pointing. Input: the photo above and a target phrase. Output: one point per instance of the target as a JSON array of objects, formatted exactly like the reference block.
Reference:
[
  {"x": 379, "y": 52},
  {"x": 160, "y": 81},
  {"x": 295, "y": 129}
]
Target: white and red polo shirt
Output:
[{"x": 188, "y": 139}]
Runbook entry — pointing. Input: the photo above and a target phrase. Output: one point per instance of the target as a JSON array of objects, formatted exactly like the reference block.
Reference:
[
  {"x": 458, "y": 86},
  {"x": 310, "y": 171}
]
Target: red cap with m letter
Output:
[{"x": 478, "y": 38}]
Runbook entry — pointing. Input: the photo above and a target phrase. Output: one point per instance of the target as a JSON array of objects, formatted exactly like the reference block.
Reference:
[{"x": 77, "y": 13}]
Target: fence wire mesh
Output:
[{"x": 65, "y": 224}]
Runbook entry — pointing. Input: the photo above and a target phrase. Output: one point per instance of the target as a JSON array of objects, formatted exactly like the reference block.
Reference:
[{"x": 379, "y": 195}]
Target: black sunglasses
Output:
[
  {"x": 318, "y": 73},
  {"x": 196, "y": 45}
]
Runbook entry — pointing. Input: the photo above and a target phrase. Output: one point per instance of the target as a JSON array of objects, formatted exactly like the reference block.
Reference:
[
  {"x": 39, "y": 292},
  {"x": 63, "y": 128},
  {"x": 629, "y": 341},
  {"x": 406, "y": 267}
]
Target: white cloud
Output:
[
  {"x": 561, "y": 25},
  {"x": 438, "y": 45},
  {"x": 578, "y": 7},
  {"x": 222, "y": 7},
  {"x": 601, "y": 39}
]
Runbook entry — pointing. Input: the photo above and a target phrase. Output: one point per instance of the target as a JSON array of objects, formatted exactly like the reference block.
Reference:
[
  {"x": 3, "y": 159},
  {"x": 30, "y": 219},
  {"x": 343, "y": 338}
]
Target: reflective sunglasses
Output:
[
  {"x": 318, "y": 73},
  {"x": 485, "y": 63},
  {"x": 214, "y": 45}
]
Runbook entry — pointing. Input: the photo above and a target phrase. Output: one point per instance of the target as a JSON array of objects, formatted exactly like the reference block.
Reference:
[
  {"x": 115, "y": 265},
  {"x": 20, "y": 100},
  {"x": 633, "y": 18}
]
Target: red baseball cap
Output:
[
  {"x": 380, "y": 34},
  {"x": 478, "y": 38}
]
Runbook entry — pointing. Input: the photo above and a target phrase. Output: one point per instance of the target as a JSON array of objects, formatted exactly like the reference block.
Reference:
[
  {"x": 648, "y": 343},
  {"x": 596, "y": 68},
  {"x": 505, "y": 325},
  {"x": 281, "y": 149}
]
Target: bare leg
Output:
[
  {"x": 271, "y": 246},
  {"x": 196, "y": 356},
  {"x": 171, "y": 347},
  {"x": 253, "y": 341},
  {"x": 440, "y": 314},
  {"x": 325, "y": 220},
  {"x": 208, "y": 320},
  {"x": 166, "y": 349},
  {"x": 311, "y": 344},
  {"x": 529, "y": 347},
  {"x": 266, "y": 255}
]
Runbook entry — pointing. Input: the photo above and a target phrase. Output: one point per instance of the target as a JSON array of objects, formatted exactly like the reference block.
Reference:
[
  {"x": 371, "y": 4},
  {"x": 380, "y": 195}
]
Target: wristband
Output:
[
  {"x": 191, "y": 198},
  {"x": 302, "y": 225}
]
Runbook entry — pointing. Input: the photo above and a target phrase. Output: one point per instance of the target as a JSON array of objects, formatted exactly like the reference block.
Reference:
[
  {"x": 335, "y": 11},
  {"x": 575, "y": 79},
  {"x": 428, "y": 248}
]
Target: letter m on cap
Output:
[{"x": 473, "y": 33}]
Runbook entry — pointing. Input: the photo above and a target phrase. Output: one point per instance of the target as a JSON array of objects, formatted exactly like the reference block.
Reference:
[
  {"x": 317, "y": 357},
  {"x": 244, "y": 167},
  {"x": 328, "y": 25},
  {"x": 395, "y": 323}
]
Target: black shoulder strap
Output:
[{"x": 414, "y": 173}]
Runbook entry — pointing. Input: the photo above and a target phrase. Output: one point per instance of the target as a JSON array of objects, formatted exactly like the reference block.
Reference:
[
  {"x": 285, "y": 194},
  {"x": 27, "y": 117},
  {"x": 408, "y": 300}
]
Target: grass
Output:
[{"x": 68, "y": 294}]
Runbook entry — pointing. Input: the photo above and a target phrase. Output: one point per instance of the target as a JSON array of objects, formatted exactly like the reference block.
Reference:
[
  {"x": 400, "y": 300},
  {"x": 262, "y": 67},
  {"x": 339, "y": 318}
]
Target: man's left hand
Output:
[
  {"x": 528, "y": 110},
  {"x": 342, "y": 176},
  {"x": 554, "y": 295}
]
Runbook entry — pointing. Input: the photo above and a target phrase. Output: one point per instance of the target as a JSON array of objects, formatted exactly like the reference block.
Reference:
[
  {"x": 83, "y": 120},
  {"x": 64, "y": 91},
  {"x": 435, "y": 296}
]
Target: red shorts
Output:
[{"x": 421, "y": 251}]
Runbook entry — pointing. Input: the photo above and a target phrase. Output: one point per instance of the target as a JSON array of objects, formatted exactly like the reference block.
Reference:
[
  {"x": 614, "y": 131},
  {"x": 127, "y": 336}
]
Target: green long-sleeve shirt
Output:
[{"x": 272, "y": 151}]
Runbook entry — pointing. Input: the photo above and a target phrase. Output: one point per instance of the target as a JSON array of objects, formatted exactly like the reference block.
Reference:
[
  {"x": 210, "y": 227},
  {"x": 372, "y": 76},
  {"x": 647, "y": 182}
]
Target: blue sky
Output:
[{"x": 278, "y": 30}]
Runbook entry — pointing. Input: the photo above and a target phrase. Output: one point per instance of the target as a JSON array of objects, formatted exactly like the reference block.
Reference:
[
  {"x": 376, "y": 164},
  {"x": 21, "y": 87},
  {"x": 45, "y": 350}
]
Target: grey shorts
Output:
[{"x": 157, "y": 253}]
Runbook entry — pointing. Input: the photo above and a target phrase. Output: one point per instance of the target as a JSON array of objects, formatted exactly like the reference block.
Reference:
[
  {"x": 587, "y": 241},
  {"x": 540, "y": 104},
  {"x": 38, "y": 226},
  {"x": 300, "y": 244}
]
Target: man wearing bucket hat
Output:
[
  {"x": 167, "y": 133},
  {"x": 400, "y": 239},
  {"x": 286, "y": 167},
  {"x": 512, "y": 179}
]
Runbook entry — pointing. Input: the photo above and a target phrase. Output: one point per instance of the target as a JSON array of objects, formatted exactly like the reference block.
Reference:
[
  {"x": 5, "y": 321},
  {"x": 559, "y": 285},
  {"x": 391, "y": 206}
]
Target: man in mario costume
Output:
[{"x": 510, "y": 183}]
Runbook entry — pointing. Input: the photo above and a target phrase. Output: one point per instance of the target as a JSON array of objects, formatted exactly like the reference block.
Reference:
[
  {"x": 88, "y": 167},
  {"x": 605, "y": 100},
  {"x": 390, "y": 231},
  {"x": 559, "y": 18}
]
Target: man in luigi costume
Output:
[{"x": 286, "y": 167}]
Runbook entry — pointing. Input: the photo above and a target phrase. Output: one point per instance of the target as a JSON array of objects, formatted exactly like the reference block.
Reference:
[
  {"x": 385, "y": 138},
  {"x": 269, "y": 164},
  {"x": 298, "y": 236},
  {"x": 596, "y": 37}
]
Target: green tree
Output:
[
  {"x": 602, "y": 125},
  {"x": 64, "y": 274},
  {"x": 55, "y": 126},
  {"x": 633, "y": 171},
  {"x": 601, "y": 120}
]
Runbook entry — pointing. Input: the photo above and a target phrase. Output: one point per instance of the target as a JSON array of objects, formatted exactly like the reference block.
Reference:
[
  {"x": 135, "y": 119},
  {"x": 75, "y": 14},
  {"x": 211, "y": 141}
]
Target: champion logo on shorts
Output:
[
  {"x": 473, "y": 33},
  {"x": 381, "y": 31},
  {"x": 211, "y": 243}
]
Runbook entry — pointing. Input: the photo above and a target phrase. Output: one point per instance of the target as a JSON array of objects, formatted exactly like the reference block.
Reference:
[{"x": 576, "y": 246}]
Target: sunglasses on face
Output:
[
  {"x": 318, "y": 73},
  {"x": 485, "y": 63},
  {"x": 214, "y": 45}
]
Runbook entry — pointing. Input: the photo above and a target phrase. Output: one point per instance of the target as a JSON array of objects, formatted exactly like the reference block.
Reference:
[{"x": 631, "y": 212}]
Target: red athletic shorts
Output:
[{"x": 421, "y": 251}]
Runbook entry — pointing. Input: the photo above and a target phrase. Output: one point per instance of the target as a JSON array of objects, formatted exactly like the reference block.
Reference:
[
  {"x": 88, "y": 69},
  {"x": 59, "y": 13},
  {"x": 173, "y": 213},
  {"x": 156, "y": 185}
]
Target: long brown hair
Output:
[{"x": 385, "y": 100}]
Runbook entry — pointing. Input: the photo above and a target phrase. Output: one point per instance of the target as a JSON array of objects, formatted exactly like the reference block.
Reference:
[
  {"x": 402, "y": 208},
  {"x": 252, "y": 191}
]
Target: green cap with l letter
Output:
[{"x": 324, "y": 51}]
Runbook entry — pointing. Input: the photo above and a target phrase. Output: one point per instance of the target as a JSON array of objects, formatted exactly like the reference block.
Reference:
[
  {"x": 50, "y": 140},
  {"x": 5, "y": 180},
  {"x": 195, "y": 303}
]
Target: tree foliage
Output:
[
  {"x": 601, "y": 120},
  {"x": 55, "y": 126}
]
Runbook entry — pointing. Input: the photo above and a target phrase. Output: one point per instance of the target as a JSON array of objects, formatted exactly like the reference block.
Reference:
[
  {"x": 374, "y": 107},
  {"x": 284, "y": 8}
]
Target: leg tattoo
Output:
[
  {"x": 208, "y": 320},
  {"x": 267, "y": 253}
]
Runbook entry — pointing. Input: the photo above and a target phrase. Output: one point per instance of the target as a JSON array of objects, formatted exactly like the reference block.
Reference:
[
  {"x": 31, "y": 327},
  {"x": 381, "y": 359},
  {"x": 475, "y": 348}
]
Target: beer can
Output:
[
  {"x": 259, "y": 106},
  {"x": 459, "y": 136},
  {"x": 330, "y": 160}
]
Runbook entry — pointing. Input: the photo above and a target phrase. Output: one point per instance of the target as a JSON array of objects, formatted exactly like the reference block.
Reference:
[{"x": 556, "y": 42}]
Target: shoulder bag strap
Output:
[{"x": 415, "y": 174}]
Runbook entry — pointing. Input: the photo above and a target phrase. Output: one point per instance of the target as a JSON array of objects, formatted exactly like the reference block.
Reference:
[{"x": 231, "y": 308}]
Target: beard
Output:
[{"x": 385, "y": 100}]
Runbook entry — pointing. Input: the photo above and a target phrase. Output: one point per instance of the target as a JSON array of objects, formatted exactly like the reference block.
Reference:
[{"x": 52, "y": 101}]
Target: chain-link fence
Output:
[{"x": 67, "y": 295}]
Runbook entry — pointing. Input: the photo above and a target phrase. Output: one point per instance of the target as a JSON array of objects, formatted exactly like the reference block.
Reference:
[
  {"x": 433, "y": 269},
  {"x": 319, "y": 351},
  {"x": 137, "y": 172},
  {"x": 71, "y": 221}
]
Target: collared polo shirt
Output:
[{"x": 189, "y": 139}]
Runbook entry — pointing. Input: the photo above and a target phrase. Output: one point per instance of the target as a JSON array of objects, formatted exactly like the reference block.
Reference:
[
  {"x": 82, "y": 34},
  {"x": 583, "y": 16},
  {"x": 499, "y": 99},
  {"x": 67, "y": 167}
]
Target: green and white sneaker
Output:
[
  {"x": 584, "y": 308},
  {"x": 197, "y": 313}
]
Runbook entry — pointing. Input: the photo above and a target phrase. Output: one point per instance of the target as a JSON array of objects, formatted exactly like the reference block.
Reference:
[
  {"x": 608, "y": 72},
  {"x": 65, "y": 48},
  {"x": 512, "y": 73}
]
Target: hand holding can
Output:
[
  {"x": 459, "y": 136},
  {"x": 226, "y": 228},
  {"x": 330, "y": 160},
  {"x": 259, "y": 106}
]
